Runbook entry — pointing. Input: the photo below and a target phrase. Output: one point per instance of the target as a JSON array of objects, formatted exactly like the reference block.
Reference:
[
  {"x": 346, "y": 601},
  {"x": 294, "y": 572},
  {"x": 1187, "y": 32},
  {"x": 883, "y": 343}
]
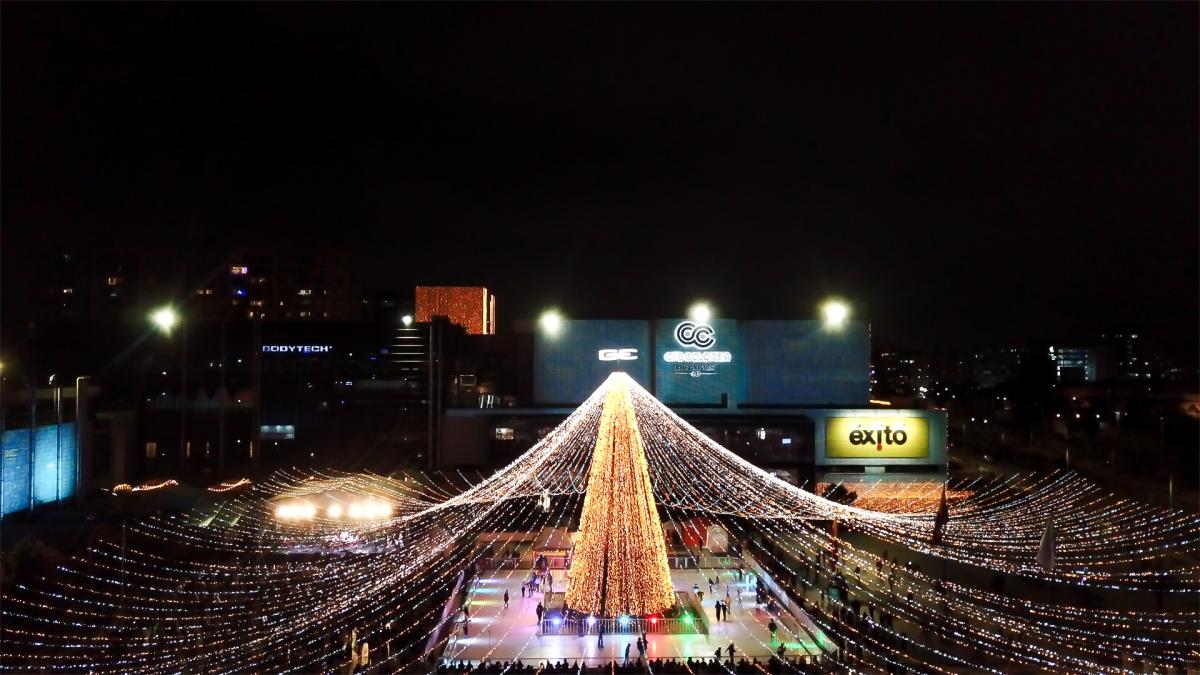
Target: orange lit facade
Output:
[{"x": 471, "y": 307}]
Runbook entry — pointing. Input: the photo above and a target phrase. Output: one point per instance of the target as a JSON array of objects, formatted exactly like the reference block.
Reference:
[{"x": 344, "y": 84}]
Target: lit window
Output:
[
  {"x": 68, "y": 291},
  {"x": 256, "y": 303},
  {"x": 113, "y": 281},
  {"x": 761, "y": 433},
  {"x": 151, "y": 449},
  {"x": 304, "y": 291},
  {"x": 504, "y": 433},
  {"x": 239, "y": 270},
  {"x": 304, "y": 315},
  {"x": 204, "y": 291}
]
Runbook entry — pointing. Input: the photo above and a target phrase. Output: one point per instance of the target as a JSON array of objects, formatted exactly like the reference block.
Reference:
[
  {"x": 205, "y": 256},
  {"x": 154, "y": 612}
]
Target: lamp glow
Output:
[
  {"x": 164, "y": 319},
  {"x": 835, "y": 313},
  {"x": 551, "y": 322},
  {"x": 700, "y": 312},
  {"x": 406, "y": 320}
]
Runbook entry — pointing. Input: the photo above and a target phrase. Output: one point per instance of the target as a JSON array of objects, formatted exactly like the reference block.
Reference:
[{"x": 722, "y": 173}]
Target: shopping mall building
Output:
[{"x": 790, "y": 396}]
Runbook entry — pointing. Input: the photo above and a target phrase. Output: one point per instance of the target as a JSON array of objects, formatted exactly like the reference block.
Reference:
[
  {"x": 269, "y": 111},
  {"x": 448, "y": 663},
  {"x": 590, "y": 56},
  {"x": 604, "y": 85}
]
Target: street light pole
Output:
[{"x": 184, "y": 450}]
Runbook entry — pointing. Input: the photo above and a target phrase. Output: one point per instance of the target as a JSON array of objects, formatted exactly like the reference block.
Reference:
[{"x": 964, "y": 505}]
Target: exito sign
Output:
[{"x": 876, "y": 437}]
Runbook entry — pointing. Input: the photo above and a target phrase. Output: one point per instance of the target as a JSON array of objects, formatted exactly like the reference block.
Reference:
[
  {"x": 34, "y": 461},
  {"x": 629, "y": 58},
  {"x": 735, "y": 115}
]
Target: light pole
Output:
[
  {"x": 165, "y": 319},
  {"x": 56, "y": 395}
]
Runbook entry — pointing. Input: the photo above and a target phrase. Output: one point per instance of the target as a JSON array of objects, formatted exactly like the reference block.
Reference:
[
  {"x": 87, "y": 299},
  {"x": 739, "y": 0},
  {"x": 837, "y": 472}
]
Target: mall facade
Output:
[{"x": 790, "y": 396}]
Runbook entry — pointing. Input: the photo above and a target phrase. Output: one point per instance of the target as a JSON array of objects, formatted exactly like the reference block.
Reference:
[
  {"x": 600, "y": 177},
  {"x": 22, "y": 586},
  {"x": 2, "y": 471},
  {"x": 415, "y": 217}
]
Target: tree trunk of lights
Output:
[{"x": 620, "y": 561}]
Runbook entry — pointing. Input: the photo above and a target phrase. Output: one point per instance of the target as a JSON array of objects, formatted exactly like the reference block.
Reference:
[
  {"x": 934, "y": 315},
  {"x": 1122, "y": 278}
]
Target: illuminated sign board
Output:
[
  {"x": 698, "y": 362},
  {"x": 623, "y": 354},
  {"x": 695, "y": 336},
  {"x": 877, "y": 437},
  {"x": 569, "y": 364},
  {"x": 297, "y": 349}
]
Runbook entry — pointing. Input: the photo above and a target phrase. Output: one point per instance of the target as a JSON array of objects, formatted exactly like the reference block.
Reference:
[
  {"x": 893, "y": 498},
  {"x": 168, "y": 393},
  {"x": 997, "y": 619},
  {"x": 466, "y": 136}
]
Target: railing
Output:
[
  {"x": 689, "y": 562},
  {"x": 789, "y": 608},
  {"x": 445, "y": 624},
  {"x": 621, "y": 626},
  {"x": 514, "y": 563}
]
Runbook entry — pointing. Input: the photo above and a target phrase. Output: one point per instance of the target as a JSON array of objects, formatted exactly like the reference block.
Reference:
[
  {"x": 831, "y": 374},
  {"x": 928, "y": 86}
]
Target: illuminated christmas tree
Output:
[{"x": 620, "y": 561}]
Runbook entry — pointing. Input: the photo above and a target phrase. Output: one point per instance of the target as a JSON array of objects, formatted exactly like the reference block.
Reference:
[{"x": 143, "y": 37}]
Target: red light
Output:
[{"x": 654, "y": 619}]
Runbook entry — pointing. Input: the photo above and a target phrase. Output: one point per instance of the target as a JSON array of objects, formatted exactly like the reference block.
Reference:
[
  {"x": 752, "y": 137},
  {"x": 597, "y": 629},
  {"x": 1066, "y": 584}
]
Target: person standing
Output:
[
  {"x": 522, "y": 589},
  {"x": 772, "y": 626},
  {"x": 466, "y": 622},
  {"x": 506, "y": 598},
  {"x": 731, "y": 650},
  {"x": 627, "y": 646},
  {"x": 539, "y": 610}
]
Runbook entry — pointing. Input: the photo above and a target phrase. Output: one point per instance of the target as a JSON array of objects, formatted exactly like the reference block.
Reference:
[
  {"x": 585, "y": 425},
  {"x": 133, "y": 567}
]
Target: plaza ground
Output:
[{"x": 506, "y": 634}]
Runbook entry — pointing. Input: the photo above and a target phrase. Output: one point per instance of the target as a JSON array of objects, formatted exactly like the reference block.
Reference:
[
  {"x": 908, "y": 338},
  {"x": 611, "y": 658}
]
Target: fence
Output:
[
  {"x": 689, "y": 562},
  {"x": 628, "y": 625}
]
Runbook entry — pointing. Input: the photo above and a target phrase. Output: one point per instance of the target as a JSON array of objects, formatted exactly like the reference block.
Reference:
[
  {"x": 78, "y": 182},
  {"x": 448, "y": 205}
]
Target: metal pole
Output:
[
  {"x": 183, "y": 399},
  {"x": 83, "y": 446},
  {"x": 32, "y": 433},
  {"x": 221, "y": 405},
  {"x": 123, "y": 549},
  {"x": 429, "y": 399},
  {"x": 256, "y": 382},
  {"x": 57, "y": 443}
]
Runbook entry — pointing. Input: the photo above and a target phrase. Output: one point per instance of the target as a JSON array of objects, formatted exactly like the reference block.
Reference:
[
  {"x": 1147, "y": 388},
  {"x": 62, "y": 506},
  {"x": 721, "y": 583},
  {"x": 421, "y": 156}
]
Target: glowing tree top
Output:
[{"x": 620, "y": 561}]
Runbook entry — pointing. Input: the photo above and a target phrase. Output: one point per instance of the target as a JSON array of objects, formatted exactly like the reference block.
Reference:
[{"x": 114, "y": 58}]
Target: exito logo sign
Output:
[
  {"x": 696, "y": 361},
  {"x": 876, "y": 437}
]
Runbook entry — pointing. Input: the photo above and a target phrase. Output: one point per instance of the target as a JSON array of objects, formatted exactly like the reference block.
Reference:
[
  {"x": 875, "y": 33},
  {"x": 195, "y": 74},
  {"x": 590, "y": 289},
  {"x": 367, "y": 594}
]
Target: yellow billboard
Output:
[{"x": 884, "y": 437}]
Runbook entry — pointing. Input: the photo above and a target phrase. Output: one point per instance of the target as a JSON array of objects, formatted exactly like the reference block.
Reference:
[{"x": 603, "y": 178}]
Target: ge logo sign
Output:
[
  {"x": 625, "y": 354},
  {"x": 699, "y": 336}
]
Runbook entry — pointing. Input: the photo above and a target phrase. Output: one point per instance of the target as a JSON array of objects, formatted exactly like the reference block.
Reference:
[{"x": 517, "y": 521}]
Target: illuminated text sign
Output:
[
  {"x": 697, "y": 336},
  {"x": 877, "y": 437},
  {"x": 623, "y": 354},
  {"x": 297, "y": 349}
]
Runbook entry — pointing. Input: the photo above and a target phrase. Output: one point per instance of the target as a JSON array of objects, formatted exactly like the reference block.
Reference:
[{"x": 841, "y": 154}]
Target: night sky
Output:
[{"x": 961, "y": 173}]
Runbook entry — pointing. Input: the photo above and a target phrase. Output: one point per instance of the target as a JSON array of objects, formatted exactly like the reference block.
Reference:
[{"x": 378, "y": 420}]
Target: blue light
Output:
[
  {"x": 591, "y": 620},
  {"x": 240, "y": 291},
  {"x": 49, "y": 471},
  {"x": 623, "y": 620},
  {"x": 557, "y": 621}
]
